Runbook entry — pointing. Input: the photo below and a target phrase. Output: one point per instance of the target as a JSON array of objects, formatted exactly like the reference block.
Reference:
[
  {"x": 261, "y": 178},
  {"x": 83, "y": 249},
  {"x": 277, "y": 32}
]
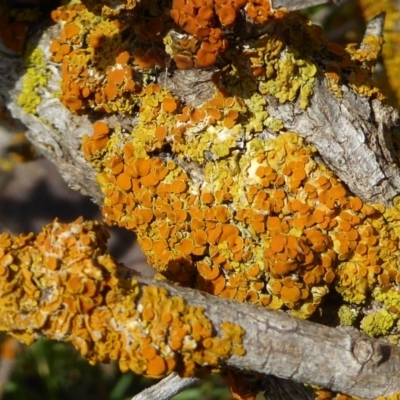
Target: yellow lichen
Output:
[
  {"x": 288, "y": 77},
  {"x": 365, "y": 56},
  {"x": 389, "y": 296},
  {"x": 36, "y": 76},
  {"x": 378, "y": 323},
  {"x": 347, "y": 315}
]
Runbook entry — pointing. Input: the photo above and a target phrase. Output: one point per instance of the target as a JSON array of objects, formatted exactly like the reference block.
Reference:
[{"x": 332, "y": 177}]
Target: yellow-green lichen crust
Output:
[
  {"x": 36, "y": 75},
  {"x": 347, "y": 315},
  {"x": 378, "y": 323}
]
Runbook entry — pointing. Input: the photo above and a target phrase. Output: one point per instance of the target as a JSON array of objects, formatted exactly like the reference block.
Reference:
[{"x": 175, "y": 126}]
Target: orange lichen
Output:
[
  {"x": 97, "y": 72},
  {"x": 62, "y": 285},
  {"x": 227, "y": 15},
  {"x": 169, "y": 104},
  {"x": 206, "y": 21},
  {"x": 183, "y": 61},
  {"x": 213, "y": 205},
  {"x": 259, "y": 11},
  {"x": 281, "y": 217},
  {"x": 205, "y": 59},
  {"x": 97, "y": 141}
]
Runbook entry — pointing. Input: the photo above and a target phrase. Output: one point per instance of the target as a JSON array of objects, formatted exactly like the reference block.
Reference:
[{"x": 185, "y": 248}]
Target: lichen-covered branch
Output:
[
  {"x": 255, "y": 161},
  {"x": 63, "y": 285},
  {"x": 363, "y": 127}
]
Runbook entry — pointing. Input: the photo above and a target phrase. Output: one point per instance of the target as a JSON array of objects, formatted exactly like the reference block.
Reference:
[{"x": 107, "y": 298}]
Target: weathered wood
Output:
[
  {"x": 167, "y": 388},
  {"x": 297, "y": 4}
]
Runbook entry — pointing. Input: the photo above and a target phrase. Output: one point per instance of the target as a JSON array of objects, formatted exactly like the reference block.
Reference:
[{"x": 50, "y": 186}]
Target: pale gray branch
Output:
[
  {"x": 167, "y": 388},
  {"x": 375, "y": 26},
  {"x": 293, "y": 5}
]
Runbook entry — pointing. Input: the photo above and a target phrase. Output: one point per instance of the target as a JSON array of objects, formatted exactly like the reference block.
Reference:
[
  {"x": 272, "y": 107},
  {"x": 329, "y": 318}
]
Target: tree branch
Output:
[
  {"x": 279, "y": 345},
  {"x": 63, "y": 285},
  {"x": 344, "y": 129},
  {"x": 297, "y": 4},
  {"x": 167, "y": 388}
]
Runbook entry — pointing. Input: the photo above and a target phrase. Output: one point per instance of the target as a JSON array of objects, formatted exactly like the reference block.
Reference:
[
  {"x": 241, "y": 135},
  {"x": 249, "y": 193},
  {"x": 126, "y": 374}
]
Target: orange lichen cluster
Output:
[
  {"x": 98, "y": 140},
  {"x": 325, "y": 394},
  {"x": 272, "y": 227},
  {"x": 96, "y": 70},
  {"x": 107, "y": 63},
  {"x": 62, "y": 285},
  {"x": 365, "y": 55},
  {"x": 205, "y": 20},
  {"x": 156, "y": 115},
  {"x": 100, "y": 73}
]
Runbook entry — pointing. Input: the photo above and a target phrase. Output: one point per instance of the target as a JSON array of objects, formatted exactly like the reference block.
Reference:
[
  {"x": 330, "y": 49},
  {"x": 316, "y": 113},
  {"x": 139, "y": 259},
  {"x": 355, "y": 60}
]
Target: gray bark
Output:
[{"x": 167, "y": 388}]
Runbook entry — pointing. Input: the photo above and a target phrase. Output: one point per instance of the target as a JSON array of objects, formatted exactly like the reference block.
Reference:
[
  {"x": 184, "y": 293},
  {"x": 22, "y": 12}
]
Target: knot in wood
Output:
[{"x": 363, "y": 350}]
